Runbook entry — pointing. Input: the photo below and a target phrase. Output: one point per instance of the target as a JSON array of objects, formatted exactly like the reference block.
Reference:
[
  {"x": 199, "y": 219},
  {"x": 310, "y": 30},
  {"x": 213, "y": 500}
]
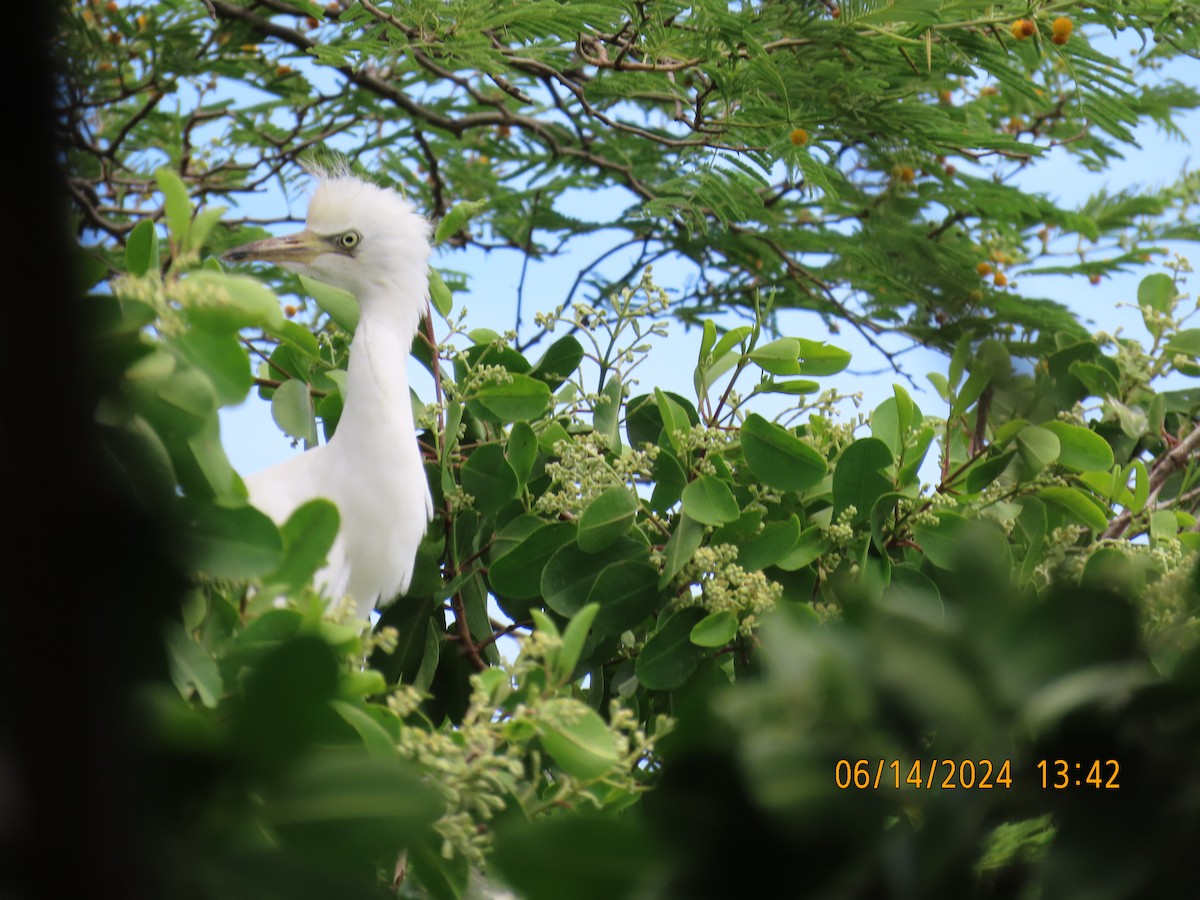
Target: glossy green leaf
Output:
[
  {"x": 141, "y": 249},
  {"x": 559, "y": 362},
  {"x": 1079, "y": 505},
  {"x": 809, "y": 546},
  {"x": 767, "y": 548},
  {"x": 1186, "y": 342},
  {"x": 1039, "y": 447},
  {"x": 292, "y": 410},
  {"x": 778, "y": 457},
  {"x": 715, "y": 630},
  {"x": 859, "y": 479},
  {"x": 1081, "y": 449},
  {"x": 221, "y": 357},
  {"x": 819, "y": 358},
  {"x": 344, "y": 806},
  {"x": 779, "y": 357},
  {"x": 439, "y": 293},
  {"x": 569, "y": 576},
  {"x": 224, "y": 302},
  {"x": 192, "y": 668},
  {"x": 607, "y": 415},
  {"x": 1141, "y": 488},
  {"x": 488, "y": 477},
  {"x": 521, "y": 451},
  {"x": 308, "y": 535},
  {"x": 573, "y": 639},
  {"x": 794, "y": 387},
  {"x": 606, "y": 519},
  {"x": 523, "y": 398},
  {"x": 1163, "y": 525},
  {"x": 229, "y": 543},
  {"x": 709, "y": 501},
  {"x": 588, "y": 856},
  {"x": 518, "y": 573},
  {"x": 670, "y": 657},
  {"x": 457, "y": 218},
  {"x": 176, "y": 206},
  {"x": 627, "y": 593},
  {"x": 984, "y": 472},
  {"x": 577, "y": 739},
  {"x": 680, "y": 547},
  {"x": 942, "y": 541},
  {"x": 207, "y": 455}
]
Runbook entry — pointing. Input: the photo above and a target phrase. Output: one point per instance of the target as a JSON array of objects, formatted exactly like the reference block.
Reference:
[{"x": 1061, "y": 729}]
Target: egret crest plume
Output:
[{"x": 367, "y": 240}]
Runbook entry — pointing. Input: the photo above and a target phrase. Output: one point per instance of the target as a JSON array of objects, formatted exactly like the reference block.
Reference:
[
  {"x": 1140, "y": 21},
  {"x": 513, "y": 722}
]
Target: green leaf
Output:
[
  {"x": 577, "y": 739},
  {"x": 674, "y": 418},
  {"x": 606, "y": 519},
  {"x": 729, "y": 340},
  {"x": 779, "y": 357},
  {"x": 573, "y": 639},
  {"x": 456, "y": 218},
  {"x": 793, "y": 388},
  {"x": 223, "y": 302},
  {"x": 606, "y": 417},
  {"x": 987, "y": 470},
  {"x": 776, "y": 540},
  {"x": 292, "y": 410},
  {"x": 569, "y": 577},
  {"x": 1081, "y": 449},
  {"x": 521, "y": 451},
  {"x": 1186, "y": 342},
  {"x": 488, "y": 477},
  {"x": 1163, "y": 525},
  {"x": 680, "y": 548},
  {"x": 307, "y": 535},
  {"x": 379, "y": 744},
  {"x": 1038, "y": 446},
  {"x": 1141, "y": 485},
  {"x": 715, "y": 630},
  {"x": 229, "y": 543},
  {"x": 670, "y": 657},
  {"x": 1077, "y": 504},
  {"x": 858, "y": 478},
  {"x": 192, "y": 669},
  {"x": 819, "y": 358},
  {"x": 709, "y": 501},
  {"x": 942, "y": 541},
  {"x": 176, "y": 206},
  {"x": 141, "y": 249},
  {"x": 439, "y": 293},
  {"x": 339, "y": 305},
  {"x": 522, "y": 399},
  {"x": 779, "y": 458},
  {"x": 346, "y": 806},
  {"x": 518, "y": 573},
  {"x": 223, "y": 359},
  {"x": 559, "y": 362},
  {"x": 600, "y": 858},
  {"x": 1156, "y": 292},
  {"x": 809, "y": 546},
  {"x": 627, "y": 593}
]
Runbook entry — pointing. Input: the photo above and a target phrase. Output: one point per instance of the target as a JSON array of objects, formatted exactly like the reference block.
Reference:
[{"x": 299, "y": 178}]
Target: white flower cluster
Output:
[{"x": 727, "y": 587}]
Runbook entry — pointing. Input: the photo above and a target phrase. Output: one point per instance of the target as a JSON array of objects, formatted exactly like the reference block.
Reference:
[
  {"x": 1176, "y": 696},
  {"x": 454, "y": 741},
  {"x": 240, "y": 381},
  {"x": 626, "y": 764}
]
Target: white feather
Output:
[{"x": 371, "y": 468}]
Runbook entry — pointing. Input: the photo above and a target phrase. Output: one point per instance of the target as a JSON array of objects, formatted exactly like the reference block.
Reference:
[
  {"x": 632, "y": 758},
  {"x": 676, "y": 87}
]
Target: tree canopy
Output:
[{"x": 756, "y": 646}]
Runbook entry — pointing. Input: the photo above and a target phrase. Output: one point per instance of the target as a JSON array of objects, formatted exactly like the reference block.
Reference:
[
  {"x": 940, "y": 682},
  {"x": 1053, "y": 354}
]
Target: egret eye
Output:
[{"x": 350, "y": 240}]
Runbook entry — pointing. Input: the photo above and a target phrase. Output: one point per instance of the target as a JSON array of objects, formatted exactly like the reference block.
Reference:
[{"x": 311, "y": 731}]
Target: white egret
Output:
[{"x": 369, "y": 241}]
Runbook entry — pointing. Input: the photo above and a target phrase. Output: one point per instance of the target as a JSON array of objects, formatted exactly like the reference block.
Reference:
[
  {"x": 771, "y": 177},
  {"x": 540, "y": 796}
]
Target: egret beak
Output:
[{"x": 301, "y": 248}]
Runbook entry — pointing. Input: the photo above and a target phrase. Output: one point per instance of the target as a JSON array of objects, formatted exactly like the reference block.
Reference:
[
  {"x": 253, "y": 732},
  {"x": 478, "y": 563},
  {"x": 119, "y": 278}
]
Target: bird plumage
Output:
[{"x": 369, "y": 241}]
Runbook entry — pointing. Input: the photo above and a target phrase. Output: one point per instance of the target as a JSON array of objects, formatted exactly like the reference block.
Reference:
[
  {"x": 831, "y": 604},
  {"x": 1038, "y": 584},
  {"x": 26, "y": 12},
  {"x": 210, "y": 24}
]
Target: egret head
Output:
[{"x": 360, "y": 237}]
